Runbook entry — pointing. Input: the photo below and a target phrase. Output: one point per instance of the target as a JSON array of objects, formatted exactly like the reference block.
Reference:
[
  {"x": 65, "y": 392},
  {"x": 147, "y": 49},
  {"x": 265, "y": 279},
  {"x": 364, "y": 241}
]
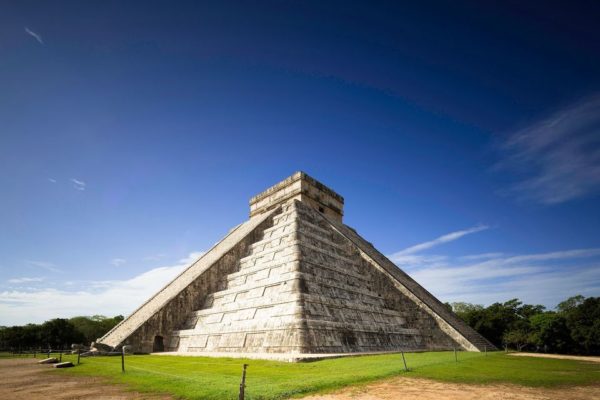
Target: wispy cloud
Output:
[
  {"x": 36, "y": 36},
  {"x": 51, "y": 180},
  {"x": 48, "y": 266},
  {"x": 118, "y": 261},
  {"x": 482, "y": 256},
  {"x": 545, "y": 278},
  {"x": 155, "y": 257},
  {"x": 536, "y": 278},
  {"x": 20, "y": 306},
  {"x": 555, "y": 255},
  {"x": 25, "y": 280},
  {"x": 407, "y": 255},
  {"x": 78, "y": 185},
  {"x": 559, "y": 157},
  {"x": 192, "y": 257}
]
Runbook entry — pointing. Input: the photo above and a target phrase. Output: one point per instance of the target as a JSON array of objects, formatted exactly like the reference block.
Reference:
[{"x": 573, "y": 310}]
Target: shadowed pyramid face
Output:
[{"x": 293, "y": 281}]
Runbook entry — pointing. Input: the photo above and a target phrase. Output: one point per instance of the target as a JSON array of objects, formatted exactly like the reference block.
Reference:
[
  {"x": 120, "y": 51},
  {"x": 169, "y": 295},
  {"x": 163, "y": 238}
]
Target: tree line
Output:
[
  {"x": 57, "y": 333},
  {"x": 573, "y": 328}
]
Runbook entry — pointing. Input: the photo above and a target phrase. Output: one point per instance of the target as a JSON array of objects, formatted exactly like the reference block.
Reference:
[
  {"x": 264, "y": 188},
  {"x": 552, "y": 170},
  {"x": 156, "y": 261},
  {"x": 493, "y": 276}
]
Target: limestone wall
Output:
[
  {"x": 351, "y": 306},
  {"x": 447, "y": 321},
  {"x": 168, "y": 309},
  {"x": 257, "y": 309}
]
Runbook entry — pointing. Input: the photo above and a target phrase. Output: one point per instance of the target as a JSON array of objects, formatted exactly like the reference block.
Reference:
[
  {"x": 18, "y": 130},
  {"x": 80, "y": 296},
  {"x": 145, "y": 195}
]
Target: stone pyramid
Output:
[{"x": 293, "y": 282}]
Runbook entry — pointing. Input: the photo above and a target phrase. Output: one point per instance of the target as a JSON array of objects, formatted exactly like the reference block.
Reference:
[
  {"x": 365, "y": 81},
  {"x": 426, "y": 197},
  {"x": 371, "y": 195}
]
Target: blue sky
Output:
[{"x": 465, "y": 138}]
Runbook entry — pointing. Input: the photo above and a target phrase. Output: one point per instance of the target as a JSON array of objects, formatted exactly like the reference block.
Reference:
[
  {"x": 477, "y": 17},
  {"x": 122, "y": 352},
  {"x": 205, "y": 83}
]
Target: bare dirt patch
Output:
[
  {"x": 26, "y": 379},
  {"x": 424, "y": 389},
  {"x": 559, "y": 356}
]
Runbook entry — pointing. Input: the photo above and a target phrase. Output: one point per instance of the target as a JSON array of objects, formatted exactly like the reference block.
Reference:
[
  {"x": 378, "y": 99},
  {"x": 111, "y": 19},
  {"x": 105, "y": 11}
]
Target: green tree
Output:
[
  {"x": 574, "y": 328},
  {"x": 500, "y": 321},
  {"x": 60, "y": 333},
  {"x": 95, "y": 326},
  {"x": 517, "y": 338},
  {"x": 550, "y": 333},
  {"x": 497, "y": 319},
  {"x": 570, "y": 303},
  {"x": 31, "y": 336},
  {"x": 583, "y": 320}
]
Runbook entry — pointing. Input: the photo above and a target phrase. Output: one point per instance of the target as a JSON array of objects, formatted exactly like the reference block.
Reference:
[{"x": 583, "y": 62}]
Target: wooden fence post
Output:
[
  {"x": 404, "y": 360},
  {"x": 455, "y": 355},
  {"x": 78, "y": 356},
  {"x": 123, "y": 359},
  {"x": 243, "y": 383}
]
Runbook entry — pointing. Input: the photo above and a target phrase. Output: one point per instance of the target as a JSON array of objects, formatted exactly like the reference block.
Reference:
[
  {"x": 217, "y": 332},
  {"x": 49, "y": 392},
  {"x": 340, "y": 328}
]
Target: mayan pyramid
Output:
[{"x": 293, "y": 280}]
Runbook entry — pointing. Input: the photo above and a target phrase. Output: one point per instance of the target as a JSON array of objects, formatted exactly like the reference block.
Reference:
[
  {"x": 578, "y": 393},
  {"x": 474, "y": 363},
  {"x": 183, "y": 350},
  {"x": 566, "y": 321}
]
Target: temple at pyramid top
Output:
[{"x": 301, "y": 187}]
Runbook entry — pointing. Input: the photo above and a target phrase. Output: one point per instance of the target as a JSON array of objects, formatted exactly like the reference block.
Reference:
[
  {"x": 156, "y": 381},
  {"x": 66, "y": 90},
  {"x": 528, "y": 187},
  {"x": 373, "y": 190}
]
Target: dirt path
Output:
[
  {"x": 23, "y": 378},
  {"x": 560, "y": 356},
  {"x": 424, "y": 389}
]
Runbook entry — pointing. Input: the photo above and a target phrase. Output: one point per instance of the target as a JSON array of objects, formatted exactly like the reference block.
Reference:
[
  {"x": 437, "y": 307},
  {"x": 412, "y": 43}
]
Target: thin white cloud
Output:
[
  {"x": 559, "y": 156},
  {"x": 401, "y": 255},
  {"x": 34, "y": 35},
  {"x": 500, "y": 280},
  {"x": 545, "y": 278},
  {"x": 482, "y": 256},
  {"x": 555, "y": 255},
  {"x": 25, "y": 280},
  {"x": 24, "y": 305},
  {"x": 155, "y": 257},
  {"x": 48, "y": 266},
  {"x": 51, "y": 180},
  {"x": 192, "y": 257},
  {"x": 118, "y": 261},
  {"x": 78, "y": 185}
]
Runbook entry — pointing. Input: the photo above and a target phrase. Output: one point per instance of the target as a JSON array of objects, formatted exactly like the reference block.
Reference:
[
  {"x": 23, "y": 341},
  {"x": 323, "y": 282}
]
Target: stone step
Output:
[
  {"x": 280, "y": 322},
  {"x": 332, "y": 271},
  {"x": 324, "y": 256},
  {"x": 259, "y": 302},
  {"x": 287, "y": 228},
  {"x": 269, "y": 242},
  {"x": 291, "y": 322},
  {"x": 342, "y": 304},
  {"x": 261, "y": 271},
  {"x": 254, "y": 289},
  {"x": 268, "y": 254},
  {"x": 289, "y": 246},
  {"x": 317, "y": 307}
]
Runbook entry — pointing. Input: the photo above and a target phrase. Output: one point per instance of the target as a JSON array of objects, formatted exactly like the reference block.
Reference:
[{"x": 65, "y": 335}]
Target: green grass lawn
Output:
[{"x": 219, "y": 378}]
